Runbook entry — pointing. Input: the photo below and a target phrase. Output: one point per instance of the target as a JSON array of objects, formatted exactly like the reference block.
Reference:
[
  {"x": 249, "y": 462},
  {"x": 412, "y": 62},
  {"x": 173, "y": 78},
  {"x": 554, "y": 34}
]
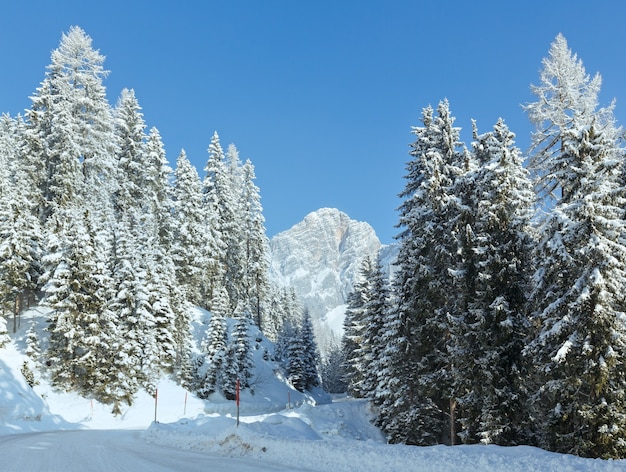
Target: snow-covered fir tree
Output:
[
  {"x": 229, "y": 376},
  {"x": 33, "y": 348},
  {"x": 490, "y": 332},
  {"x": 166, "y": 298},
  {"x": 241, "y": 346},
  {"x": 158, "y": 192},
  {"x": 20, "y": 232},
  {"x": 138, "y": 353},
  {"x": 255, "y": 262},
  {"x": 566, "y": 97},
  {"x": 71, "y": 130},
  {"x": 354, "y": 327},
  {"x": 143, "y": 205},
  {"x": 579, "y": 304},
  {"x": 295, "y": 367},
  {"x": 130, "y": 133},
  {"x": 190, "y": 242},
  {"x": 311, "y": 356},
  {"x": 220, "y": 205},
  {"x": 372, "y": 345},
  {"x": 76, "y": 290},
  {"x": 332, "y": 369},
  {"x": 214, "y": 345},
  {"x": 30, "y": 368},
  {"x": 578, "y": 297},
  {"x": 416, "y": 399}
]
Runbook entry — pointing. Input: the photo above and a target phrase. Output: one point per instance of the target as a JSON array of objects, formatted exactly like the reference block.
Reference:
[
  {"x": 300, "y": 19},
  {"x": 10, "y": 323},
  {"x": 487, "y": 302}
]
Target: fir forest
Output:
[{"x": 503, "y": 323}]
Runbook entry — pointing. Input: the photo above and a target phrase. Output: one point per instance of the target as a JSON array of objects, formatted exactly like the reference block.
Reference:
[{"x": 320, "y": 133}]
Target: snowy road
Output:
[
  {"x": 128, "y": 451},
  {"x": 108, "y": 451}
]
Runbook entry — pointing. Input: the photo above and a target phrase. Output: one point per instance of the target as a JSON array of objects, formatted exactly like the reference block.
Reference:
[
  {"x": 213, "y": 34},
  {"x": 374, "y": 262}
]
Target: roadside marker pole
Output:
[
  {"x": 156, "y": 400},
  {"x": 185, "y": 408}
]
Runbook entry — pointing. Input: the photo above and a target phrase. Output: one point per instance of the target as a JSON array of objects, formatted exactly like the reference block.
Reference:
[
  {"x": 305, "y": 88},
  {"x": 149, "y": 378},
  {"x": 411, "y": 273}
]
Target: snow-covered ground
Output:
[{"x": 279, "y": 430}]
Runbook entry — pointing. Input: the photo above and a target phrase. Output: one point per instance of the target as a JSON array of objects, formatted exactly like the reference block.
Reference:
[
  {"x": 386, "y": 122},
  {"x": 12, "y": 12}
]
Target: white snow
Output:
[
  {"x": 562, "y": 352},
  {"x": 334, "y": 319},
  {"x": 279, "y": 430}
]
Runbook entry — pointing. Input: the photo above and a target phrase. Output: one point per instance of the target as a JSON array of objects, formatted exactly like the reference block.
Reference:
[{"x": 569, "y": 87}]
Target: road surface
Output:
[{"x": 109, "y": 451}]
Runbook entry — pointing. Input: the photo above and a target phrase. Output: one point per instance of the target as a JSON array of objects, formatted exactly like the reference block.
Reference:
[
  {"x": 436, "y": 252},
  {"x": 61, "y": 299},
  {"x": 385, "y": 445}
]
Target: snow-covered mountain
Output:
[{"x": 320, "y": 258}]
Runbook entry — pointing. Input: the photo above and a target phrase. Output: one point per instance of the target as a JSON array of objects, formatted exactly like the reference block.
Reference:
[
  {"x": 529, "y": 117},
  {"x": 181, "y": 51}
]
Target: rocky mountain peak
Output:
[{"x": 321, "y": 256}]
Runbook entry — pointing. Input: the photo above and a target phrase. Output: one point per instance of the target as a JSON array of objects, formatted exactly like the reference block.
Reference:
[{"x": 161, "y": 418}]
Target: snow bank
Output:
[
  {"x": 339, "y": 437},
  {"x": 21, "y": 409}
]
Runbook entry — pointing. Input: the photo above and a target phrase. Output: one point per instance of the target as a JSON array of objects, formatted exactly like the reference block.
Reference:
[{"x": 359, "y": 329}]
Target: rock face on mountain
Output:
[{"x": 320, "y": 258}]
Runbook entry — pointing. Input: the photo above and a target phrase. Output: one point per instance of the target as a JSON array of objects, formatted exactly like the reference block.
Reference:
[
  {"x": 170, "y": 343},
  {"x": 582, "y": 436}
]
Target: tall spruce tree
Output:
[
  {"x": 138, "y": 352},
  {"x": 295, "y": 363},
  {"x": 190, "y": 242},
  {"x": 214, "y": 345},
  {"x": 354, "y": 327},
  {"x": 76, "y": 291},
  {"x": 20, "y": 232},
  {"x": 68, "y": 156},
  {"x": 579, "y": 305},
  {"x": 566, "y": 97},
  {"x": 130, "y": 133},
  {"x": 372, "y": 346},
  {"x": 219, "y": 211},
  {"x": 165, "y": 297},
  {"x": 490, "y": 332},
  {"x": 311, "y": 356},
  {"x": 578, "y": 301},
  {"x": 241, "y": 345},
  {"x": 229, "y": 374},
  {"x": 71, "y": 130},
  {"x": 416, "y": 399},
  {"x": 255, "y": 260}
]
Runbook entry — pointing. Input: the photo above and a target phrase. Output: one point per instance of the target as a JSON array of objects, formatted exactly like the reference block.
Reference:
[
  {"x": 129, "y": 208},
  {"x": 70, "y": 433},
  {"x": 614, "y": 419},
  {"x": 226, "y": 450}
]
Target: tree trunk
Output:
[
  {"x": 16, "y": 310},
  {"x": 452, "y": 422}
]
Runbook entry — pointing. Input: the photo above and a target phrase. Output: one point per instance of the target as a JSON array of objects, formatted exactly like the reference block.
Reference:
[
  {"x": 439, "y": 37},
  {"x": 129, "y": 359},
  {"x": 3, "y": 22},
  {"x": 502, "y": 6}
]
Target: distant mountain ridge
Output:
[{"x": 320, "y": 257}]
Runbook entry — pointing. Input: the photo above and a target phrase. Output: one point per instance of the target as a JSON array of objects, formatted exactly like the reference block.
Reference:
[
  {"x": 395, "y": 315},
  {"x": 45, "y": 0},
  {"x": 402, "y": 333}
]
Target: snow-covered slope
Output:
[
  {"x": 21, "y": 409},
  {"x": 42, "y": 408},
  {"x": 320, "y": 257}
]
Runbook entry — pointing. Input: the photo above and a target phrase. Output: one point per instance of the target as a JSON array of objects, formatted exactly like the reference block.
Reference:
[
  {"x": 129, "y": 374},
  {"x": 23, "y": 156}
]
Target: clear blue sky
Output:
[{"x": 320, "y": 95}]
